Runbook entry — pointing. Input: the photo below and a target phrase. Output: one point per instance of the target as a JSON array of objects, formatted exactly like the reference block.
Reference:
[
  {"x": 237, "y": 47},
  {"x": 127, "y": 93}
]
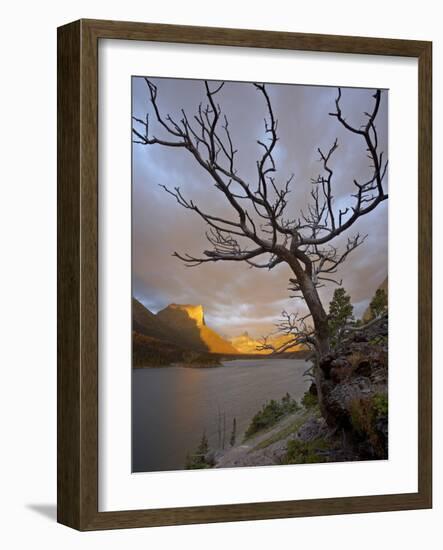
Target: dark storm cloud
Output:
[{"x": 235, "y": 297}]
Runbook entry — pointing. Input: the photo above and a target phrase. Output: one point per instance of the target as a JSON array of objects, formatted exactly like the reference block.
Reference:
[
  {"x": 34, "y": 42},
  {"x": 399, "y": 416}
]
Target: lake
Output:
[{"x": 173, "y": 406}]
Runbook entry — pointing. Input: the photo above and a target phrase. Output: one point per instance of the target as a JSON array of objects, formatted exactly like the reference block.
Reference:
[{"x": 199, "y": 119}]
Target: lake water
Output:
[{"x": 173, "y": 406}]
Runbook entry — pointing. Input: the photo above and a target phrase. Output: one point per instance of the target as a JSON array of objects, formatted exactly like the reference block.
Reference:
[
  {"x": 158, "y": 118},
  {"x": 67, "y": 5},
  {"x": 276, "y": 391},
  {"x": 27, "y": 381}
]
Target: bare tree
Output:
[{"x": 260, "y": 232}]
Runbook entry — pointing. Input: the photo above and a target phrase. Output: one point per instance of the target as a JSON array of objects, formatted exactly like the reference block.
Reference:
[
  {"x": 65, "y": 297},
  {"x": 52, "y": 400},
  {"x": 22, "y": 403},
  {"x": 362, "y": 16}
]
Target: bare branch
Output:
[
  {"x": 259, "y": 231},
  {"x": 297, "y": 330}
]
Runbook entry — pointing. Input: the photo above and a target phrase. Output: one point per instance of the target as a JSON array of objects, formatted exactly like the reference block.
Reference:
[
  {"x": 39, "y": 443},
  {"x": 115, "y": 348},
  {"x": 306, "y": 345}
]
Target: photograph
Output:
[{"x": 259, "y": 274}]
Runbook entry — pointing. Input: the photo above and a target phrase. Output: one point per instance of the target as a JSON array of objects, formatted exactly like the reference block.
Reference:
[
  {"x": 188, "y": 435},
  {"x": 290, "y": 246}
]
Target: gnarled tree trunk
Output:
[{"x": 320, "y": 321}]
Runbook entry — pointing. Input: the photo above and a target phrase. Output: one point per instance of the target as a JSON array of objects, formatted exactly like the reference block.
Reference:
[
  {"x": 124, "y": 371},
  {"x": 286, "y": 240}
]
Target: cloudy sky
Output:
[{"x": 235, "y": 297}]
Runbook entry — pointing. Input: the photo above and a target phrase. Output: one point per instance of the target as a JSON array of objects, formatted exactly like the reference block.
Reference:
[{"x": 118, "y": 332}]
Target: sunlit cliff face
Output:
[
  {"x": 194, "y": 312},
  {"x": 190, "y": 320}
]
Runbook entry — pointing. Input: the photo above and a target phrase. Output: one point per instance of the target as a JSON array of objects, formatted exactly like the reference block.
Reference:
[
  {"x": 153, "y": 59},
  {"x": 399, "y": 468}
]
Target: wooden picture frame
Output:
[{"x": 77, "y": 481}]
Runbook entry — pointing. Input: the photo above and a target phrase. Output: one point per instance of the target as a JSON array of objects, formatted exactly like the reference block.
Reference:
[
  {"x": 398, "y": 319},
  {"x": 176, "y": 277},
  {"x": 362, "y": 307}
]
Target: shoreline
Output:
[{"x": 228, "y": 358}]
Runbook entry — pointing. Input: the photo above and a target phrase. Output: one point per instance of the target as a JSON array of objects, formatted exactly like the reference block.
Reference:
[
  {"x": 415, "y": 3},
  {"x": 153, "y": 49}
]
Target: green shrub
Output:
[
  {"x": 271, "y": 413},
  {"x": 379, "y": 303},
  {"x": 340, "y": 314},
  {"x": 380, "y": 402},
  {"x": 304, "y": 452},
  {"x": 198, "y": 460},
  {"x": 365, "y": 414},
  {"x": 309, "y": 400}
]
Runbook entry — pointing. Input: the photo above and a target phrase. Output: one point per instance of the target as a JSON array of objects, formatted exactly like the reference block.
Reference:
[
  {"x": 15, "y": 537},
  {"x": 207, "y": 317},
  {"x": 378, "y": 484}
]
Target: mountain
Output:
[
  {"x": 245, "y": 344},
  {"x": 153, "y": 343},
  {"x": 189, "y": 321},
  {"x": 177, "y": 334},
  {"x": 148, "y": 324}
]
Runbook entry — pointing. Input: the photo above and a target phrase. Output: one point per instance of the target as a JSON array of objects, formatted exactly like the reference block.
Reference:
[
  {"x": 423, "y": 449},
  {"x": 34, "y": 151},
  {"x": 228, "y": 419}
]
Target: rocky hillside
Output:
[
  {"x": 301, "y": 437},
  {"x": 355, "y": 388}
]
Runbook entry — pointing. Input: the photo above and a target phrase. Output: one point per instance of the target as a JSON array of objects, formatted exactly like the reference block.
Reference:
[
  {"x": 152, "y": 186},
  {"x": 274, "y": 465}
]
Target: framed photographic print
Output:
[{"x": 244, "y": 275}]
